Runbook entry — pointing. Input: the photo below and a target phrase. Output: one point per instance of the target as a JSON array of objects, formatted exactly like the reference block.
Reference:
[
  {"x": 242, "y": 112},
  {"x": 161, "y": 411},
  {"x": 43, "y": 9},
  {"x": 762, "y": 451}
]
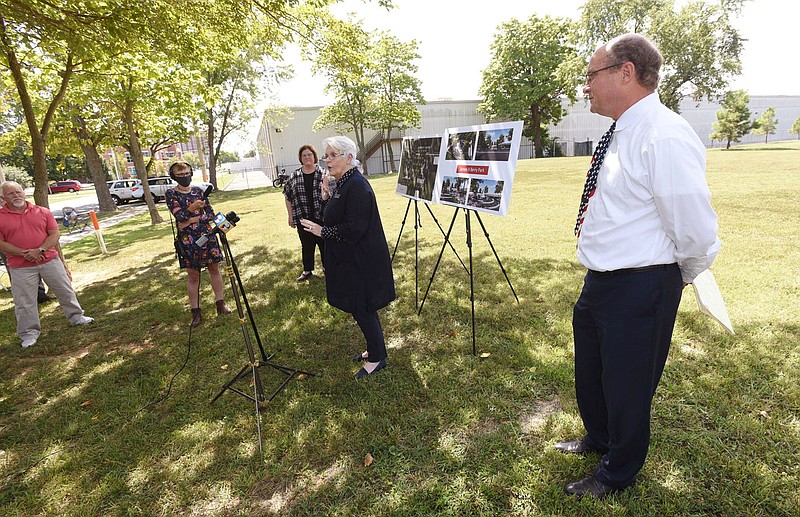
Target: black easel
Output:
[
  {"x": 417, "y": 225},
  {"x": 254, "y": 363},
  {"x": 470, "y": 270}
]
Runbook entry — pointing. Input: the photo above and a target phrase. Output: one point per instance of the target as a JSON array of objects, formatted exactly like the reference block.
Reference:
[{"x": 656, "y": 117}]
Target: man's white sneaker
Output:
[
  {"x": 28, "y": 342},
  {"x": 84, "y": 320}
]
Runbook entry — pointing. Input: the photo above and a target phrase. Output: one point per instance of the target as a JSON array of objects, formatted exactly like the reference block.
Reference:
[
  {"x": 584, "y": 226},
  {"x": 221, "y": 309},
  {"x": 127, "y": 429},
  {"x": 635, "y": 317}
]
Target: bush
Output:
[
  {"x": 227, "y": 157},
  {"x": 192, "y": 159},
  {"x": 17, "y": 174}
]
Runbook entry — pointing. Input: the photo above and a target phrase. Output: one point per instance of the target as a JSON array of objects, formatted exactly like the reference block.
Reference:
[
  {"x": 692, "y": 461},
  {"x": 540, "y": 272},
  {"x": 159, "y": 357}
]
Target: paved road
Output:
[{"x": 83, "y": 204}]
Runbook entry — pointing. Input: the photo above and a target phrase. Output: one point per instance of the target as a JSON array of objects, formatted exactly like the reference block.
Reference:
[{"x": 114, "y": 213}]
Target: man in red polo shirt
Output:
[{"x": 28, "y": 235}]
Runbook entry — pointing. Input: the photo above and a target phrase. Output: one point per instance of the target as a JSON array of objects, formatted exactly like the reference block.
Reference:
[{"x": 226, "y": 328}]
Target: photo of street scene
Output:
[
  {"x": 454, "y": 190},
  {"x": 461, "y": 146},
  {"x": 418, "y": 164},
  {"x": 485, "y": 194},
  {"x": 494, "y": 145}
]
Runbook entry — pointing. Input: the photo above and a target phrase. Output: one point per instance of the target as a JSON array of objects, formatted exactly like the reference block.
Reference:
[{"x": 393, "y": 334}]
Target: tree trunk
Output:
[
  {"x": 201, "y": 149},
  {"x": 212, "y": 156},
  {"x": 362, "y": 152},
  {"x": 38, "y": 136},
  {"x": 536, "y": 129},
  {"x": 389, "y": 148},
  {"x": 95, "y": 164},
  {"x": 41, "y": 187},
  {"x": 138, "y": 161},
  {"x": 223, "y": 130}
]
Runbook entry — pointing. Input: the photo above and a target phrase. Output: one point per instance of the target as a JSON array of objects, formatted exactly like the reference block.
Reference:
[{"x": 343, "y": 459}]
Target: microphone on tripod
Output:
[
  {"x": 222, "y": 224},
  {"x": 218, "y": 219}
]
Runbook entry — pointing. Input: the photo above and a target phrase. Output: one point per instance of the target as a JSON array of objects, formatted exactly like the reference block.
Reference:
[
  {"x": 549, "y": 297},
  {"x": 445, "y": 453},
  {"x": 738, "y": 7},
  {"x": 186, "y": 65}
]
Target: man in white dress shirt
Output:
[{"x": 649, "y": 229}]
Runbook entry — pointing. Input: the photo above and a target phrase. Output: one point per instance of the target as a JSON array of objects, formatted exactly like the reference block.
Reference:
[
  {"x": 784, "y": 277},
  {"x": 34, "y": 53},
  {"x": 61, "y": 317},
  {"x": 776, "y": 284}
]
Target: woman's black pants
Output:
[
  {"x": 371, "y": 328},
  {"x": 309, "y": 241}
]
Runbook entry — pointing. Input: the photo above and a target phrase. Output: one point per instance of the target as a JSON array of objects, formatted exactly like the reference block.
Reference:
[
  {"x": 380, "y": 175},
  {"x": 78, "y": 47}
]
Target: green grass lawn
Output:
[
  {"x": 87, "y": 191},
  {"x": 448, "y": 433}
]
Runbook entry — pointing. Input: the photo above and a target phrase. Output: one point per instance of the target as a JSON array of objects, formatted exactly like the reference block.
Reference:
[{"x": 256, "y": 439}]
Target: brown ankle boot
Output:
[
  {"x": 197, "y": 318},
  {"x": 222, "y": 308}
]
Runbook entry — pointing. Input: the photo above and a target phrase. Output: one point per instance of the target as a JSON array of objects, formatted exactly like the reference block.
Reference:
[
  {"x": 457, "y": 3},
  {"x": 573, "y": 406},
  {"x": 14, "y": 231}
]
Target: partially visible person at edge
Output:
[
  {"x": 28, "y": 236},
  {"x": 303, "y": 193},
  {"x": 648, "y": 231},
  {"x": 193, "y": 215},
  {"x": 358, "y": 269}
]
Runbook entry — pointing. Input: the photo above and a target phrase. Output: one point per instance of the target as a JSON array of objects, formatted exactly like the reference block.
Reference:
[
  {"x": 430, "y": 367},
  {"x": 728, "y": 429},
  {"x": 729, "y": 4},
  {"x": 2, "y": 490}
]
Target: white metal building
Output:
[{"x": 575, "y": 134}]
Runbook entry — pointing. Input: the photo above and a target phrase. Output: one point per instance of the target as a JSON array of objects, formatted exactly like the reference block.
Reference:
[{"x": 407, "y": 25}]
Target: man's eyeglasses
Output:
[
  {"x": 331, "y": 156},
  {"x": 590, "y": 75}
]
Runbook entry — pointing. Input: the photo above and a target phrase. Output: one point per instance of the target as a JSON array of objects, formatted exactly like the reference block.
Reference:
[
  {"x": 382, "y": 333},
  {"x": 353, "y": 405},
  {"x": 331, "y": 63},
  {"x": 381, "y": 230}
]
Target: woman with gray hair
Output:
[{"x": 358, "y": 269}]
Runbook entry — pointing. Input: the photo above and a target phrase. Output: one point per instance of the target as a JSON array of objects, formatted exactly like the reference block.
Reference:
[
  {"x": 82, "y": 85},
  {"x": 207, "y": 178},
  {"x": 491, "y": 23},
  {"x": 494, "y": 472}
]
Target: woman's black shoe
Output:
[
  {"x": 304, "y": 276},
  {"x": 363, "y": 373},
  {"x": 359, "y": 357}
]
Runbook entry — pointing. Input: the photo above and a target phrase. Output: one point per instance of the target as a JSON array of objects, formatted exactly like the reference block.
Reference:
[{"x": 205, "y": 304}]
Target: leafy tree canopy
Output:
[
  {"x": 397, "y": 90},
  {"x": 766, "y": 124},
  {"x": 700, "y": 45},
  {"x": 733, "y": 120},
  {"x": 340, "y": 53},
  {"x": 228, "y": 157},
  {"x": 795, "y": 129},
  {"x": 532, "y": 67}
]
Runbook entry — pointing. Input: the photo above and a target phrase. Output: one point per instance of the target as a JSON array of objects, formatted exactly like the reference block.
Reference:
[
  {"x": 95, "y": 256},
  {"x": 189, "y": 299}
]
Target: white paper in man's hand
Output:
[{"x": 709, "y": 299}]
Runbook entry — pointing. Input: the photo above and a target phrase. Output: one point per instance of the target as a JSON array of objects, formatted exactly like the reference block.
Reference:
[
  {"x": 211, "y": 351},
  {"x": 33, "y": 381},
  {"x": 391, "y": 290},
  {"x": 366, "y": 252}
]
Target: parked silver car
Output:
[{"x": 160, "y": 184}]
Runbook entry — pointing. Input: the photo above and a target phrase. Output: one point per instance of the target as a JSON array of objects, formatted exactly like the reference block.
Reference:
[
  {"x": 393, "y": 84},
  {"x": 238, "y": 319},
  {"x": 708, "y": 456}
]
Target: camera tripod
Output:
[{"x": 254, "y": 363}]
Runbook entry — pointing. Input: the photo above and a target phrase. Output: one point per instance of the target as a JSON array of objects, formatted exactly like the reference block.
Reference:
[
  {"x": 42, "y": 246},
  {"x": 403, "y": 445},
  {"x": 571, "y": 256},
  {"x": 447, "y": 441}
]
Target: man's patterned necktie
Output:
[{"x": 591, "y": 176}]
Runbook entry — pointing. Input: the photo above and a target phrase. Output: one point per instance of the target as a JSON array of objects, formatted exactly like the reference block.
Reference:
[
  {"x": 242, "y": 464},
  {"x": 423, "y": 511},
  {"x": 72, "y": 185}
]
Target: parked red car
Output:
[{"x": 65, "y": 186}]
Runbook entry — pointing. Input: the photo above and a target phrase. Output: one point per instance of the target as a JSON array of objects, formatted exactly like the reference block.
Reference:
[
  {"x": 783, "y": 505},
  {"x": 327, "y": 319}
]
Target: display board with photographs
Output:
[
  {"x": 419, "y": 162},
  {"x": 477, "y": 165},
  {"x": 471, "y": 167}
]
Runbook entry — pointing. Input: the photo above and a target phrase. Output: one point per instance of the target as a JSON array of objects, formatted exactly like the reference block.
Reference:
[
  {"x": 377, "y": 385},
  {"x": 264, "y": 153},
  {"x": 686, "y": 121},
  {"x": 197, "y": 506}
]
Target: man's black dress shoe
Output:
[
  {"x": 589, "y": 486},
  {"x": 575, "y": 447},
  {"x": 363, "y": 373}
]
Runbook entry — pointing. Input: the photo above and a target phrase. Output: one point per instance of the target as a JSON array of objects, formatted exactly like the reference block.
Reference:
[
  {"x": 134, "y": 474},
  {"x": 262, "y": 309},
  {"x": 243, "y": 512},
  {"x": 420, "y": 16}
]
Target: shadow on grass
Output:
[{"x": 448, "y": 432}]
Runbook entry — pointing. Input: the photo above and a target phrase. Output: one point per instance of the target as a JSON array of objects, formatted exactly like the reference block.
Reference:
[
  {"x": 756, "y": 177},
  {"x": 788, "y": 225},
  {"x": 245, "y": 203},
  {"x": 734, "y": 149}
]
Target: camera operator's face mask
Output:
[{"x": 183, "y": 181}]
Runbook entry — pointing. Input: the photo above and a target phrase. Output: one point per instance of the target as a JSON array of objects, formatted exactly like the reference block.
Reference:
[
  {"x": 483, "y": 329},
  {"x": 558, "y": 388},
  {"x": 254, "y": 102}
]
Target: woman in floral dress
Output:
[{"x": 193, "y": 215}]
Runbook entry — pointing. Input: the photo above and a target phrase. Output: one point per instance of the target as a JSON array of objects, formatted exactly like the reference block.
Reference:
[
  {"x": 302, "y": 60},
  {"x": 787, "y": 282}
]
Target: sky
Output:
[{"x": 769, "y": 61}]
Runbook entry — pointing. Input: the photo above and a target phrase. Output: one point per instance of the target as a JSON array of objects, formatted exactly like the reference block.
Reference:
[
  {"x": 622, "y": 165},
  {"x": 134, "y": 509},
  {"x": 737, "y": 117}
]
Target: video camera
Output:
[{"x": 222, "y": 223}]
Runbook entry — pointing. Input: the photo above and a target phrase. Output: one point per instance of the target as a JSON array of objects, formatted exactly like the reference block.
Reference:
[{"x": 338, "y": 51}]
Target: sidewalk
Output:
[
  {"x": 249, "y": 179},
  {"x": 128, "y": 212}
]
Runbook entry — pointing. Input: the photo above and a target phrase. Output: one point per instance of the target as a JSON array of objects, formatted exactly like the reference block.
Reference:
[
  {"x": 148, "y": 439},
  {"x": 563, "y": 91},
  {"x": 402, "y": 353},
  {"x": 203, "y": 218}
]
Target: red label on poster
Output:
[{"x": 472, "y": 169}]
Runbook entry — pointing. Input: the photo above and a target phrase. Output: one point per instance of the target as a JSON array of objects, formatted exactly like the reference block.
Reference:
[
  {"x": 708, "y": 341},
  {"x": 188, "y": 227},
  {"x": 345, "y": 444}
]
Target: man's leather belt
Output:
[{"x": 625, "y": 271}]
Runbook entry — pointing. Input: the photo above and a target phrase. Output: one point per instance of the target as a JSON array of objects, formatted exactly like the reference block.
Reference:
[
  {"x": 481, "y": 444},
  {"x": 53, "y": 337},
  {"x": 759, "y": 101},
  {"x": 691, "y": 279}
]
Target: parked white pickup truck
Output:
[{"x": 126, "y": 190}]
